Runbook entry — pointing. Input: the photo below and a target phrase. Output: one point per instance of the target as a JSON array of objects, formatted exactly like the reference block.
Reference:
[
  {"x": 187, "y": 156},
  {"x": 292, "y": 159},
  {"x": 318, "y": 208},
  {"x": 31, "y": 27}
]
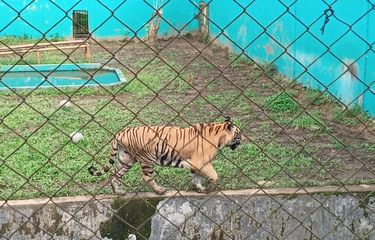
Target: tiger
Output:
[{"x": 193, "y": 148}]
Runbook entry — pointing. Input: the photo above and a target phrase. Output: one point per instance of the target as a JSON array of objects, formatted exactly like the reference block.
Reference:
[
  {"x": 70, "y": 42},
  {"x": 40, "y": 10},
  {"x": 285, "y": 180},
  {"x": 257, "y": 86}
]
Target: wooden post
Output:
[
  {"x": 38, "y": 56},
  {"x": 203, "y": 21},
  {"x": 87, "y": 52},
  {"x": 154, "y": 27}
]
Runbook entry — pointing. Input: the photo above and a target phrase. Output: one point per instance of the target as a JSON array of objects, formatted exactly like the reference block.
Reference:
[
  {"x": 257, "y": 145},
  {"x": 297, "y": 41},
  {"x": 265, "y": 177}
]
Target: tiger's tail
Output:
[{"x": 114, "y": 149}]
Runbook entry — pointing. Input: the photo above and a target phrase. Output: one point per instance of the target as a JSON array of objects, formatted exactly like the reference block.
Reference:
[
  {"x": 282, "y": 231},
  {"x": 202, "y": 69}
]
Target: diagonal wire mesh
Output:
[{"x": 295, "y": 76}]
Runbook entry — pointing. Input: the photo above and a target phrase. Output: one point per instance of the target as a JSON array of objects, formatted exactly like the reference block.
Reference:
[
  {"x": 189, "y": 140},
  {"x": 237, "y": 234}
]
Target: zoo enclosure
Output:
[
  {"x": 332, "y": 39},
  {"x": 326, "y": 46}
]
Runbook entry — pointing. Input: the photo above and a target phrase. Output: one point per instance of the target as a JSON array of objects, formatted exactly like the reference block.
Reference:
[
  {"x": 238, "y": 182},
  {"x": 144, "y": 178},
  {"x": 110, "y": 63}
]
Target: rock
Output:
[
  {"x": 65, "y": 103},
  {"x": 265, "y": 183}
]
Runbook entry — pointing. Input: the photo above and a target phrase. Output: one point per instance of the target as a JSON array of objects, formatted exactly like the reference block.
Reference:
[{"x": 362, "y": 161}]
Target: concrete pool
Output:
[{"x": 65, "y": 75}]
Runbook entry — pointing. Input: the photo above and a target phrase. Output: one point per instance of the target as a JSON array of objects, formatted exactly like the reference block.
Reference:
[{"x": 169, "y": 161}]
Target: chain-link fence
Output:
[{"x": 296, "y": 77}]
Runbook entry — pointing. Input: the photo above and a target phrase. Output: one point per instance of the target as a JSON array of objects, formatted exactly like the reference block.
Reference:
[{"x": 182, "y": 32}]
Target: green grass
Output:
[
  {"x": 270, "y": 70},
  {"x": 223, "y": 99},
  {"x": 239, "y": 61},
  {"x": 311, "y": 121},
  {"x": 30, "y": 58},
  {"x": 351, "y": 116},
  {"x": 251, "y": 164},
  {"x": 38, "y": 160},
  {"x": 45, "y": 58},
  {"x": 16, "y": 40},
  {"x": 281, "y": 103},
  {"x": 317, "y": 98},
  {"x": 51, "y": 165},
  {"x": 48, "y": 164},
  {"x": 149, "y": 81}
]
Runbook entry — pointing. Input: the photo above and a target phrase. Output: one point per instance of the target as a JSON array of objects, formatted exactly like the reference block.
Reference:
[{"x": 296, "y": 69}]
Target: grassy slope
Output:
[{"x": 37, "y": 158}]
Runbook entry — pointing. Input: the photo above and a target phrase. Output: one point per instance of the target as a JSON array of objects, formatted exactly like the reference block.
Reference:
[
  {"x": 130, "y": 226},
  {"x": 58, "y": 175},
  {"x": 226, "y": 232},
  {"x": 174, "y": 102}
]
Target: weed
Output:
[
  {"x": 281, "y": 103},
  {"x": 45, "y": 57},
  {"x": 351, "y": 116},
  {"x": 316, "y": 97},
  {"x": 367, "y": 147},
  {"x": 16, "y": 40},
  {"x": 150, "y": 80},
  {"x": 337, "y": 144},
  {"x": 311, "y": 121},
  {"x": 269, "y": 70},
  {"x": 221, "y": 100},
  {"x": 239, "y": 61},
  {"x": 252, "y": 163}
]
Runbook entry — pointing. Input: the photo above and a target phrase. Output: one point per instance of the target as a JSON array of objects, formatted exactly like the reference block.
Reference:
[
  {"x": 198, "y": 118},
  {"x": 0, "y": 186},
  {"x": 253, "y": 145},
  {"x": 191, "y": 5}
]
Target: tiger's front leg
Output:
[{"x": 209, "y": 172}]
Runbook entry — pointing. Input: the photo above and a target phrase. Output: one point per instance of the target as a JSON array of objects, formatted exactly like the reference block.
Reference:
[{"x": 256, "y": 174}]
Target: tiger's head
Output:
[{"x": 232, "y": 135}]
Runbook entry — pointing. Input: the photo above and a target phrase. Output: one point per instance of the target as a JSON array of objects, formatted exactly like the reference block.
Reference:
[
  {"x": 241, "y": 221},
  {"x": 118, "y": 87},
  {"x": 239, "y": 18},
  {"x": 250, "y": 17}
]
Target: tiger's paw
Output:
[
  {"x": 201, "y": 190},
  {"x": 191, "y": 187},
  {"x": 120, "y": 193},
  {"x": 195, "y": 188},
  {"x": 210, "y": 188},
  {"x": 160, "y": 190}
]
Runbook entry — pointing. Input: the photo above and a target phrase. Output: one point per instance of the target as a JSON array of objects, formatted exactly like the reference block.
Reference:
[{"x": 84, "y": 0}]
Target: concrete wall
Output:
[
  {"x": 245, "y": 214},
  {"x": 43, "y": 17},
  {"x": 286, "y": 43},
  {"x": 302, "y": 217}
]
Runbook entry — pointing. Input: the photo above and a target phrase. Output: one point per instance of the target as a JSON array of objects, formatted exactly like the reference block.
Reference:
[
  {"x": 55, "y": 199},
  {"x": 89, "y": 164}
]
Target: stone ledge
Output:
[{"x": 172, "y": 194}]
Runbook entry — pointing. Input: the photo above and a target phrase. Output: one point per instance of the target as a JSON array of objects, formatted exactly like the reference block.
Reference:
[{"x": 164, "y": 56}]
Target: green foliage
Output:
[
  {"x": 281, "y": 103},
  {"x": 222, "y": 99},
  {"x": 50, "y": 57},
  {"x": 250, "y": 164},
  {"x": 16, "y": 40},
  {"x": 351, "y": 116},
  {"x": 310, "y": 121},
  {"x": 316, "y": 97},
  {"x": 269, "y": 69},
  {"x": 149, "y": 81},
  {"x": 10, "y": 40},
  {"x": 239, "y": 61}
]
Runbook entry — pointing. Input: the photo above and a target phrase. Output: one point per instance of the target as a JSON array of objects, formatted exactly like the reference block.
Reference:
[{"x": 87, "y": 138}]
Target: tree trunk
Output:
[{"x": 154, "y": 28}]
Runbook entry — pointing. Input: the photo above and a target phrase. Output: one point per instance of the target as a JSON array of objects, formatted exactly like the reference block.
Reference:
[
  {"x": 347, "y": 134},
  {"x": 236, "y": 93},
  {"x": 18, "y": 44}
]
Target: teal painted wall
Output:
[
  {"x": 244, "y": 29},
  {"x": 44, "y": 17}
]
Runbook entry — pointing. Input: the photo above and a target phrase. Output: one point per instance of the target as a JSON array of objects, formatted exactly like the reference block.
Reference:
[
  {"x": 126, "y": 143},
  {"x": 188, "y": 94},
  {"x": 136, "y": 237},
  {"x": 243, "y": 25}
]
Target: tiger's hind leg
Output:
[
  {"x": 196, "y": 182},
  {"x": 147, "y": 171},
  {"x": 125, "y": 163}
]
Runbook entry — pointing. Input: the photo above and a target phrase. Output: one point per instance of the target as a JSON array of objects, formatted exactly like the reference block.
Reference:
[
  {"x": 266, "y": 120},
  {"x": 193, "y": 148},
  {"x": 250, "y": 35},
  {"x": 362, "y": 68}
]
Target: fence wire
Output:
[{"x": 294, "y": 136}]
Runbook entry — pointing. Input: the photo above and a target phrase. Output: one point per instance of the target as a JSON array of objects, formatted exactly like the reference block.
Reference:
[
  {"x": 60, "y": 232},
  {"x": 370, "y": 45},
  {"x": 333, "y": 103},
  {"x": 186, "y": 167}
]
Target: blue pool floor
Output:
[{"x": 59, "y": 78}]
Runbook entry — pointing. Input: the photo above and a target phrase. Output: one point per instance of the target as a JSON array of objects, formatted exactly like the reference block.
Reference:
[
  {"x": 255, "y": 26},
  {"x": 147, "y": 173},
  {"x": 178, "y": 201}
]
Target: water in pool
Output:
[{"x": 65, "y": 78}]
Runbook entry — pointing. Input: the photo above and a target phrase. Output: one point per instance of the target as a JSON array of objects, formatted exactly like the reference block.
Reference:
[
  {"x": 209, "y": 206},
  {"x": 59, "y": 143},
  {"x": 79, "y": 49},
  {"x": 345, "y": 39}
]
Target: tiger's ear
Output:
[
  {"x": 229, "y": 126},
  {"x": 229, "y": 121},
  {"x": 227, "y": 118}
]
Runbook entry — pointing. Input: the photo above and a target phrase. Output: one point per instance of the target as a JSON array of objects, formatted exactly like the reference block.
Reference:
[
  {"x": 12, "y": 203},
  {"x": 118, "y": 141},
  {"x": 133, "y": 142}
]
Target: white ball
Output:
[
  {"x": 76, "y": 137},
  {"x": 132, "y": 237},
  {"x": 65, "y": 103}
]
